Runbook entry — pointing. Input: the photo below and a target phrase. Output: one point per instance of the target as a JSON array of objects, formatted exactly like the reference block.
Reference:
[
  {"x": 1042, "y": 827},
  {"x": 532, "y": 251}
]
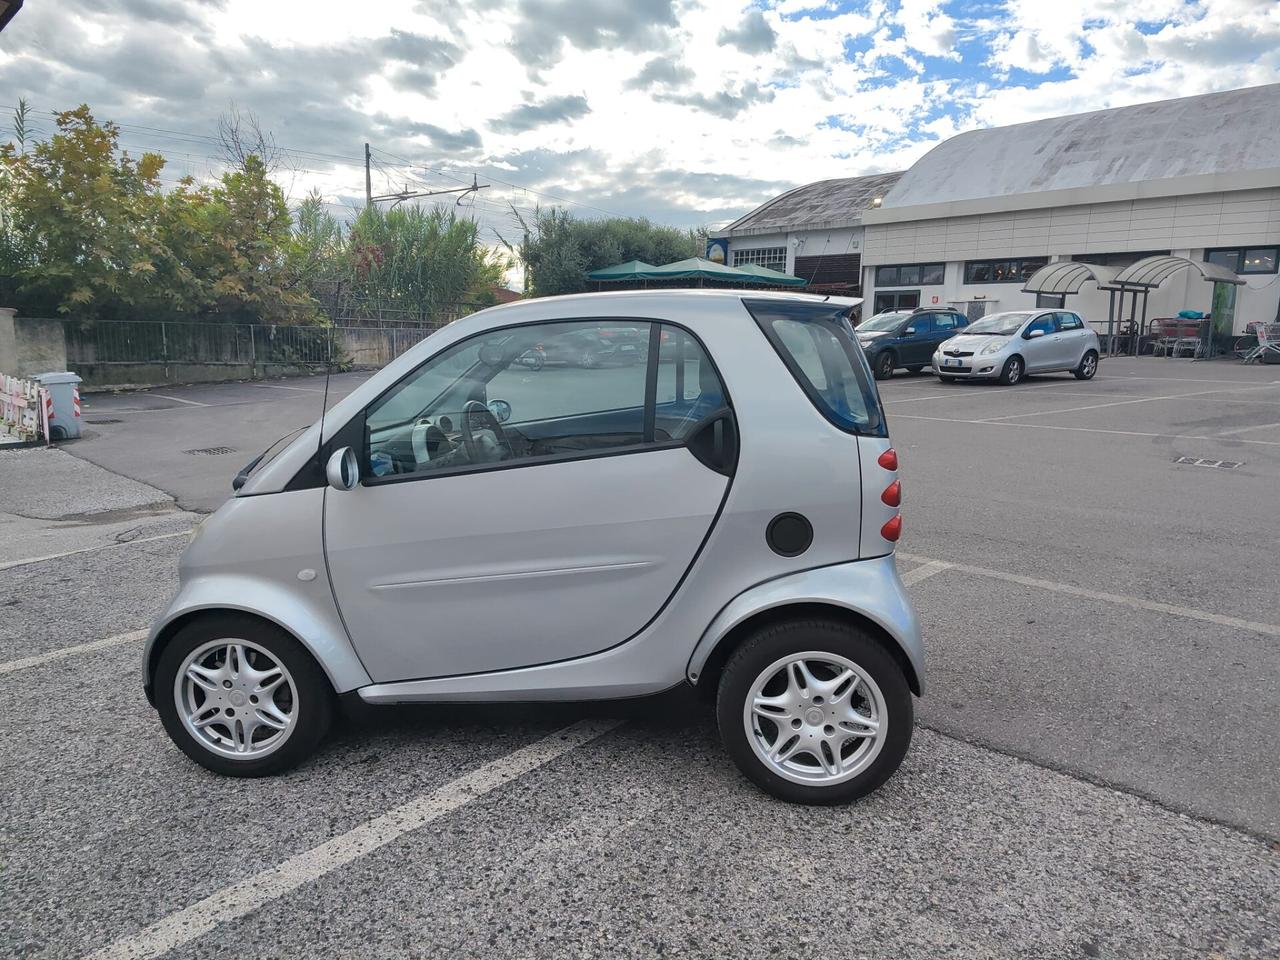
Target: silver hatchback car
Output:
[
  {"x": 465, "y": 526},
  {"x": 1008, "y": 346}
]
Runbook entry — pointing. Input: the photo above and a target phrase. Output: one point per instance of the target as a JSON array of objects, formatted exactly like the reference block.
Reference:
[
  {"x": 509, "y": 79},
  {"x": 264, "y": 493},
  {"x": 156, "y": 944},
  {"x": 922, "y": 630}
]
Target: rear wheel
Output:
[
  {"x": 1087, "y": 367},
  {"x": 588, "y": 360},
  {"x": 814, "y": 711},
  {"x": 885, "y": 364},
  {"x": 1013, "y": 371},
  {"x": 241, "y": 697}
]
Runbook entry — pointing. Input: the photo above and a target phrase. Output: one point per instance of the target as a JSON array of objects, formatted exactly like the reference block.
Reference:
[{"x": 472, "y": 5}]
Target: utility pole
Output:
[{"x": 368, "y": 179}]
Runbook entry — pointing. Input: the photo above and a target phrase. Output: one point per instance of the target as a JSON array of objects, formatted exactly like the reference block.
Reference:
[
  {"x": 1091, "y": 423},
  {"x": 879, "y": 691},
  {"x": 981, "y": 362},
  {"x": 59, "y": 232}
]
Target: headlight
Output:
[{"x": 995, "y": 346}]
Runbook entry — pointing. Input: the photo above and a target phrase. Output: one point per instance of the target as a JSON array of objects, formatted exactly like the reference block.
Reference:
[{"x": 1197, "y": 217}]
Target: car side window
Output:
[
  {"x": 1044, "y": 324},
  {"x": 561, "y": 389},
  {"x": 945, "y": 322},
  {"x": 1069, "y": 321},
  {"x": 688, "y": 387},
  {"x": 922, "y": 323}
]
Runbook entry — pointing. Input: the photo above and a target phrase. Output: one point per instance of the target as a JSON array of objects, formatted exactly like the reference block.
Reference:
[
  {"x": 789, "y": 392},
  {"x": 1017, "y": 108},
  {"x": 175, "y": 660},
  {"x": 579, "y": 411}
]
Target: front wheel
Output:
[
  {"x": 588, "y": 360},
  {"x": 1087, "y": 367},
  {"x": 884, "y": 366},
  {"x": 1012, "y": 372},
  {"x": 241, "y": 697},
  {"x": 943, "y": 378},
  {"x": 814, "y": 711}
]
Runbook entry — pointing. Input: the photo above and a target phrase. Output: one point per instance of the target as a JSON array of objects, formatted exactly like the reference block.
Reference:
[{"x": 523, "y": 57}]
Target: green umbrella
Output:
[
  {"x": 631, "y": 270},
  {"x": 775, "y": 277},
  {"x": 702, "y": 269}
]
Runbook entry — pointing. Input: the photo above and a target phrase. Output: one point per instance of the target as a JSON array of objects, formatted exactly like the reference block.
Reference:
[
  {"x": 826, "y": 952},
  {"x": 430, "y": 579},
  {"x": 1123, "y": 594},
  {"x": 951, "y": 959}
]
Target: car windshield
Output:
[
  {"x": 885, "y": 321},
  {"x": 999, "y": 324}
]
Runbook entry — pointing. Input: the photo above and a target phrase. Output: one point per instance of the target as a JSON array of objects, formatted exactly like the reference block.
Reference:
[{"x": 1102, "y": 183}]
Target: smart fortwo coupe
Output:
[{"x": 463, "y": 528}]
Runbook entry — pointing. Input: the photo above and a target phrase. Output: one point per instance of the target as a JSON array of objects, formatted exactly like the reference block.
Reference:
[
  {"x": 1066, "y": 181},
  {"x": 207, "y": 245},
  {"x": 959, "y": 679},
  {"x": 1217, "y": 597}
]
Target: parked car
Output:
[
  {"x": 906, "y": 338},
  {"x": 1008, "y": 346},
  {"x": 655, "y": 548}
]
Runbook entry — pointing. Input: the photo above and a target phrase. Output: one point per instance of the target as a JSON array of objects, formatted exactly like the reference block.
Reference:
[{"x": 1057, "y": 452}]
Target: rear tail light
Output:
[
  {"x": 889, "y": 459},
  {"x": 892, "y": 528},
  {"x": 892, "y": 496}
]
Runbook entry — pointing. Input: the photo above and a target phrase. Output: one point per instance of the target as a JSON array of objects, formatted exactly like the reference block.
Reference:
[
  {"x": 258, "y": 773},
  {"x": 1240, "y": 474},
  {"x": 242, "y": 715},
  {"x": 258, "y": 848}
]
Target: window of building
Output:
[
  {"x": 1118, "y": 260},
  {"x": 835, "y": 269},
  {"x": 774, "y": 258},
  {"x": 910, "y": 274},
  {"x": 1050, "y": 300},
  {"x": 897, "y": 300},
  {"x": 1245, "y": 259},
  {"x": 1002, "y": 271}
]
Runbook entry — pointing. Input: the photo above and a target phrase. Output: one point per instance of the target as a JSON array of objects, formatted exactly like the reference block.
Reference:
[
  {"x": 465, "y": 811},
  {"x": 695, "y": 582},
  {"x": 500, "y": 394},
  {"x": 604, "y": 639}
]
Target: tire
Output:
[
  {"x": 1087, "y": 367},
  {"x": 588, "y": 360},
  {"x": 303, "y": 695},
  {"x": 885, "y": 364},
  {"x": 1014, "y": 370},
  {"x": 881, "y": 693},
  {"x": 943, "y": 378},
  {"x": 916, "y": 369}
]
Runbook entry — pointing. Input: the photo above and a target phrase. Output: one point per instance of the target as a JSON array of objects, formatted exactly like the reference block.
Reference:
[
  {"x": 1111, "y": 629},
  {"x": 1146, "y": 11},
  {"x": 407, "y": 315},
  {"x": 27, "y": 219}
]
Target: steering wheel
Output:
[{"x": 476, "y": 451}]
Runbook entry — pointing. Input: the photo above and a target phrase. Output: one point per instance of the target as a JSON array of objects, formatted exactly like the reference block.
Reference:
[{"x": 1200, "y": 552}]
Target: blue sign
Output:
[{"x": 718, "y": 250}]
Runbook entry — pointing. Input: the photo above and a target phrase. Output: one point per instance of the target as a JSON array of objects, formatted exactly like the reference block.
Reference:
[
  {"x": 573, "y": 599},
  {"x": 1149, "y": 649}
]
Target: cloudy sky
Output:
[{"x": 689, "y": 112}]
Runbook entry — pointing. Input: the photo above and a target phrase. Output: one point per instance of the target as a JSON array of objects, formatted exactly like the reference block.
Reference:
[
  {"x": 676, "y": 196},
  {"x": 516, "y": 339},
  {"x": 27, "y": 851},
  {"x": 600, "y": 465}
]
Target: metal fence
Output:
[{"x": 143, "y": 342}]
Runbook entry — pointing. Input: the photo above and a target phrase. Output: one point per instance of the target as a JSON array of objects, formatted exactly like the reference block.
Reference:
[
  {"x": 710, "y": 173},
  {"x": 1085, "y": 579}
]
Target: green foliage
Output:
[
  {"x": 558, "y": 250},
  {"x": 89, "y": 232}
]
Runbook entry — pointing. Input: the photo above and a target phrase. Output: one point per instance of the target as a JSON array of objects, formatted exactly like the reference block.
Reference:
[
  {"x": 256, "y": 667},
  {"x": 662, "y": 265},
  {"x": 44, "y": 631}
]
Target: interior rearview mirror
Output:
[{"x": 342, "y": 470}]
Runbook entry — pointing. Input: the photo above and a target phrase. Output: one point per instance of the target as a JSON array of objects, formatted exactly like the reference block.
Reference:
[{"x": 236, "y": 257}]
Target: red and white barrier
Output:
[{"x": 25, "y": 409}]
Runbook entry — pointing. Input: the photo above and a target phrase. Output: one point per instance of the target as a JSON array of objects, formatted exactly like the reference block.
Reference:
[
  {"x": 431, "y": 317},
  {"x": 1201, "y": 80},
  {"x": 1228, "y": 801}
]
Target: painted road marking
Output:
[
  {"x": 924, "y": 572},
  {"x": 279, "y": 386},
  {"x": 193, "y": 403},
  {"x": 1256, "y": 426},
  {"x": 1115, "y": 403},
  {"x": 10, "y": 564},
  {"x": 1050, "y": 426},
  {"x": 12, "y": 666},
  {"x": 250, "y": 894},
  {"x": 1134, "y": 603}
]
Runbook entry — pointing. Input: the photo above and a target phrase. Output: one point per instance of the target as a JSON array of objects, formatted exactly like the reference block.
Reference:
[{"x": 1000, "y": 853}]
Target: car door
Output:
[
  {"x": 1072, "y": 339},
  {"x": 917, "y": 345},
  {"x": 467, "y": 548},
  {"x": 1039, "y": 348}
]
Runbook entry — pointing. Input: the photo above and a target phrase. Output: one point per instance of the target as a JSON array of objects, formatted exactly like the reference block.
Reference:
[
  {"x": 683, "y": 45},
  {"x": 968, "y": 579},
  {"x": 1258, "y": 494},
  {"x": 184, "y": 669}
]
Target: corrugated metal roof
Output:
[
  {"x": 826, "y": 203},
  {"x": 1215, "y": 133}
]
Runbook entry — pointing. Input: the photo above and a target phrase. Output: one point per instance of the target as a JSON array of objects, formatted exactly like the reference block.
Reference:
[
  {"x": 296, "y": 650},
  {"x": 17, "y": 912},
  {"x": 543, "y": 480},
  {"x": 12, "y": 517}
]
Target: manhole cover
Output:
[
  {"x": 104, "y": 420},
  {"x": 210, "y": 451},
  {"x": 1217, "y": 464}
]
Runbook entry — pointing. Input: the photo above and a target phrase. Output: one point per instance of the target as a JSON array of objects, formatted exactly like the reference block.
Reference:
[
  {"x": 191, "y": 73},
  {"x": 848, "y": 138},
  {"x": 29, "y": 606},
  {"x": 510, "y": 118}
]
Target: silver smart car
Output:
[
  {"x": 1008, "y": 346},
  {"x": 720, "y": 511}
]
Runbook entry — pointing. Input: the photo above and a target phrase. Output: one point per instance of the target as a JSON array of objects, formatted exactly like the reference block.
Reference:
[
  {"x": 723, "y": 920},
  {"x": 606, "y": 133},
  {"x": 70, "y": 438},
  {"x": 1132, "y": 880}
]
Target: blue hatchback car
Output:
[{"x": 907, "y": 338}]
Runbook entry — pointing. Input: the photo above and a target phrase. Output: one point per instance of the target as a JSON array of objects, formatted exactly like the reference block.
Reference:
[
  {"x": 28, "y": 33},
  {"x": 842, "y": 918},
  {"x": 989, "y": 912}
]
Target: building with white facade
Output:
[{"x": 972, "y": 221}]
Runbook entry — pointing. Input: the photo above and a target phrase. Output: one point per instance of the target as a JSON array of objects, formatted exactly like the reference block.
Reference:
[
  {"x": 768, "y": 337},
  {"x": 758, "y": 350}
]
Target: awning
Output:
[
  {"x": 1067, "y": 276},
  {"x": 1154, "y": 271},
  {"x": 631, "y": 270},
  {"x": 773, "y": 277}
]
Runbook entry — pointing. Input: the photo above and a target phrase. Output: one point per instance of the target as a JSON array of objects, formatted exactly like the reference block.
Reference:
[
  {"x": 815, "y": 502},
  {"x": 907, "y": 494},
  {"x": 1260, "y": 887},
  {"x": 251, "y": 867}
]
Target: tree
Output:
[
  {"x": 86, "y": 218},
  {"x": 559, "y": 250}
]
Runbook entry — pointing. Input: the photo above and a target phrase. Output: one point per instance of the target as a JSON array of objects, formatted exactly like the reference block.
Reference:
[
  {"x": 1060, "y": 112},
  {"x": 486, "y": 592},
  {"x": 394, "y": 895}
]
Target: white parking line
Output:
[
  {"x": 1134, "y": 603},
  {"x": 253, "y": 892},
  {"x": 193, "y": 403},
  {"x": 10, "y": 564},
  {"x": 924, "y": 572},
  {"x": 1116, "y": 403},
  {"x": 1050, "y": 426},
  {"x": 279, "y": 386},
  {"x": 12, "y": 666},
  {"x": 1256, "y": 426}
]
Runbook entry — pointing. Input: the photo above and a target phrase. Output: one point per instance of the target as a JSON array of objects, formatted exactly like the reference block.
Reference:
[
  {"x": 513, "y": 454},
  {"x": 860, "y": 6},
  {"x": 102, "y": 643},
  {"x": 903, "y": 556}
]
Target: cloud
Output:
[
  {"x": 544, "y": 26},
  {"x": 660, "y": 70},
  {"x": 448, "y": 140},
  {"x": 529, "y": 116},
  {"x": 752, "y": 35},
  {"x": 723, "y": 103}
]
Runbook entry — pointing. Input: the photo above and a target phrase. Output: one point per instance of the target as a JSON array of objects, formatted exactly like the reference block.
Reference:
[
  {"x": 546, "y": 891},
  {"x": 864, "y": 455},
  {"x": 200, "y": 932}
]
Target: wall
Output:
[
  {"x": 30, "y": 346},
  {"x": 806, "y": 243}
]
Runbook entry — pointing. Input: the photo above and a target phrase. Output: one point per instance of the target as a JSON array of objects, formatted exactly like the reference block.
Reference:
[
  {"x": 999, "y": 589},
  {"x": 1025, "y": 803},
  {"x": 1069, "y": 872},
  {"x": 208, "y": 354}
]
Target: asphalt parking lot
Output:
[{"x": 1094, "y": 773}]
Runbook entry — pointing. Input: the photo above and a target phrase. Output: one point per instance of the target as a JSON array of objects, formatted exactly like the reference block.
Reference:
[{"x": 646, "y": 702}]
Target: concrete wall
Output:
[
  {"x": 804, "y": 243},
  {"x": 29, "y": 346}
]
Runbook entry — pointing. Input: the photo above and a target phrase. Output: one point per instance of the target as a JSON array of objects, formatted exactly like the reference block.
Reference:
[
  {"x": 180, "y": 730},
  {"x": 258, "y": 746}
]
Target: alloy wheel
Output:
[
  {"x": 236, "y": 699},
  {"x": 815, "y": 718}
]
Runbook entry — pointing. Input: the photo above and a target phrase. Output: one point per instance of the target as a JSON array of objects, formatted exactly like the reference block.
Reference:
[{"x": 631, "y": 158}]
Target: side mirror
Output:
[
  {"x": 1032, "y": 334},
  {"x": 342, "y": 470}
]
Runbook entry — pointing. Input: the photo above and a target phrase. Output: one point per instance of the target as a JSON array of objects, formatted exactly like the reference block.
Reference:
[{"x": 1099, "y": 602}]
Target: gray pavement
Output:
[{"x": 1107, "y": 619}]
